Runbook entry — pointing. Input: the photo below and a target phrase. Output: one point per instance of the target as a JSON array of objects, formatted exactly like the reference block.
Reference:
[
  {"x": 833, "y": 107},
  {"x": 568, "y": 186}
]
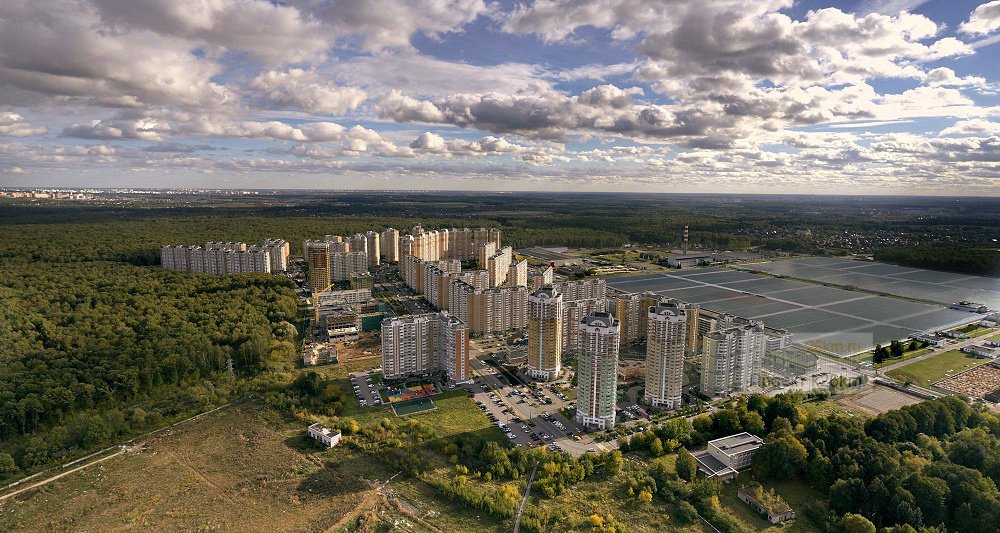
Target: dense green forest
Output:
[
  {"x": 933, "y": 466},
  {"x": 980, "y": 261},
  {"x": 90, "y": 351}
]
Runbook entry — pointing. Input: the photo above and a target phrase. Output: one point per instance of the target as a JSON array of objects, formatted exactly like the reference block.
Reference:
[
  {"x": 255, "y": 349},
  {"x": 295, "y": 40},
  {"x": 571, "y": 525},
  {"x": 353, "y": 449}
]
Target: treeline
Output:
[
  {"x": 138, "y": 241},
  {"x": 88, "y": 350},
  {"x": 932, "y": 467},
  {"x": 979, "y": 261}
]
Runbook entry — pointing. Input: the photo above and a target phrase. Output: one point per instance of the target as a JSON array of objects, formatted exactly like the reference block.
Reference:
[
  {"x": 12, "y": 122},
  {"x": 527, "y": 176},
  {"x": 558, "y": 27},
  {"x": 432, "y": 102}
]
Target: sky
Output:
[{"x": 762, "y": 96}]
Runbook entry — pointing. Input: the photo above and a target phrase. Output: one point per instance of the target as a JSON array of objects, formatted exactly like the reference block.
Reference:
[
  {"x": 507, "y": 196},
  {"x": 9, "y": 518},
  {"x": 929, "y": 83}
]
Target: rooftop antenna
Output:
[{"x": 685, "y": 239}]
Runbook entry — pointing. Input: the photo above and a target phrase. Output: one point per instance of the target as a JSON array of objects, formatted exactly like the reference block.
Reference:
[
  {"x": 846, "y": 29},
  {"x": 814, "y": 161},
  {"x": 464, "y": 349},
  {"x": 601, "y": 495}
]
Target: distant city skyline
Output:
[{"x": 894, "y": 97}]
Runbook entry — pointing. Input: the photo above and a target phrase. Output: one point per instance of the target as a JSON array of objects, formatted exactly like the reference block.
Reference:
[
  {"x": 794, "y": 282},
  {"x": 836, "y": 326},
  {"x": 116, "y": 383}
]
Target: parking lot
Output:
[
  {"x": 525, "y": 419},
  {"x": 364, "y": 389}
]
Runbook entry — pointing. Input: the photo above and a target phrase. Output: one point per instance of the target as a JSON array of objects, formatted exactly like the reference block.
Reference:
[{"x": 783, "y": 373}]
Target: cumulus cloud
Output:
[
  {"x": 972, "y": 126},
  {"x": 379, "y": 24},
  {"x": 304, "y": 90},
  {"x": 985, "y": 19},
  {"x": 14, "y": 125}
]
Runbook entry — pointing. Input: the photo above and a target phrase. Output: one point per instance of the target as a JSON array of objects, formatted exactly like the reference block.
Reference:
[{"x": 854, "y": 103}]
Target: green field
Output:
[{"x": 936, "y": 368}]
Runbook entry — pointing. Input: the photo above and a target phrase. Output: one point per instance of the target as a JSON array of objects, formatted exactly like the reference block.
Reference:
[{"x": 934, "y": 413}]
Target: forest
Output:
[
  {"x": 929, "y": 467},
  {"x": 92, "y": 351},
  {"x": 964, "y": 260}
]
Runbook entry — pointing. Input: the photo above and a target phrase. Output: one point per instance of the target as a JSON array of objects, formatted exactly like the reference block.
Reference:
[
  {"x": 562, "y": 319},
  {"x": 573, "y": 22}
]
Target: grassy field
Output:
[
  {"x": 932, "y": 369},
  {"x": 242, "y": 468},
  {"x": 796, "y": 493}
]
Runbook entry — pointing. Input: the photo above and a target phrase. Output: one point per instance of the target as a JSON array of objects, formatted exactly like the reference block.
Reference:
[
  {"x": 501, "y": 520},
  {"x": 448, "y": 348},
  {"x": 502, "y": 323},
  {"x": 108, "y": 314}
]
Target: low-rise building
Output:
[
  {"x": 971, "y": 307},
  {"x": 329, "y": 437},
  {"x": 726, "y": 456},
  {"x": 982, "y": 350},
  {"x": 688, "y": 260},
  {"x": 767, "y": 503}
]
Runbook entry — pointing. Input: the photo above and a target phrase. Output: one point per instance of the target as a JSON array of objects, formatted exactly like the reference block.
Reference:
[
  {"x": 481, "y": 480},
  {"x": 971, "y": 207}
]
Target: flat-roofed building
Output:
[
  {"x": 329, "y": 437},
  {"x": 597, "y": 371},
  {"x": 429, "y": 343},
  {"x": 540, "y": 277},
  {"x": 666, "y": 341},
  {"x": 726, "y": 456},
  {"x": 517, "y": 276},
  {"x": 545, "y": 333}
]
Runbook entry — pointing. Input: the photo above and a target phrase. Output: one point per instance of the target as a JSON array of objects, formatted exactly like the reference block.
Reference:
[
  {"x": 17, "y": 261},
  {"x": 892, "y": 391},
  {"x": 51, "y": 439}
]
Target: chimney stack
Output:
[{"x": 685, "y": 239}]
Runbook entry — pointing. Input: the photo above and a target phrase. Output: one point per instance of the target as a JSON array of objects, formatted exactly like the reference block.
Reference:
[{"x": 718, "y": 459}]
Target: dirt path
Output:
[{"x": 57, "y": 476}]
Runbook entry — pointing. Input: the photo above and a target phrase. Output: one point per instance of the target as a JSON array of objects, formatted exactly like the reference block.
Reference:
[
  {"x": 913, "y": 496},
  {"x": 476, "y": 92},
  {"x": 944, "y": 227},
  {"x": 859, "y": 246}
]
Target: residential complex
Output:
[
  {"x": 545, "y": 331},
  {"x": 597, "y": 371},
  {"x": 462, "y": 244},
  {"x": 666, "y": 341},
  {"x": 221, "y": 258},
  {"x": 334, "y": 259},
  {"x": 731, "y": 359},
  {"x": 430, "y": 343}
]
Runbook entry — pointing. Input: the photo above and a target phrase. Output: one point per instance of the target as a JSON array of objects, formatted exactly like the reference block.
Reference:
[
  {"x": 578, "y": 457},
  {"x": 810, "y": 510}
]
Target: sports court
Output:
[
  {"x": 838, "y": 319},
  {"x": 410, "y": 407},
  {"x": 410, "y": 391}
]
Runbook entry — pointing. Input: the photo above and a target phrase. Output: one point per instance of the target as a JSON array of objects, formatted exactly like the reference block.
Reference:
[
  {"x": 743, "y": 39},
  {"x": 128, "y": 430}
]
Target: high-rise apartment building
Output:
[
  {"x": 317, "y": 255},
  {"x": 632, "y": 311},
  {"x": 597, "y": 371},
  {"x": 544, "y": 354},
  {"x": 517, "y": 276},
  {"x": 389, "y": 245},
  {"x": 666, "y": 341},
  {"x": 279, "y": 250},
  {"x": 425, "y": 344},
  {"x": 344, "y": 264},
  {"x": 373, "y": 246},
  {"x": 462, "y": 244},
  {"x": 498, "y": 265},
  {"x": 586, "y": 289},
  {"x": 572, "y": 313},
  {"x": 731, "y": 359}
]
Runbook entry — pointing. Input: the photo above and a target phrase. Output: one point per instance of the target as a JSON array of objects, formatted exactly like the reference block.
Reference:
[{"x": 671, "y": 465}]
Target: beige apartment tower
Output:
[
  {"x": 597, "y": 371},
  {"x": 545, "y": 334},
  {"x": 666, "y": 340},
  {"x": 425, "y": 344}
]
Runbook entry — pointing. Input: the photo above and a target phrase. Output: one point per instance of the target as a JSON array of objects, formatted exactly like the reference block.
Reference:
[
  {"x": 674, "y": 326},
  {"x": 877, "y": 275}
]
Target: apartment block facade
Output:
[
  {"x": 731, "y": 359},
  {"x": 425, "y": 344},
  {"x": 666, "y": 343},
  {"x": 218, "y": 258},
  {"x": 597, "y": 371},
  {"x": 545, "y": 330}
]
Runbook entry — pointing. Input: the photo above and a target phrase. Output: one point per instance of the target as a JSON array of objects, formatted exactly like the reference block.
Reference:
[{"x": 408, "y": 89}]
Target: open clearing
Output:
[
  {"x": 241, "y": 469},
  {"x": 927, "y": 371},
  {"x": 878, "y": 400}
]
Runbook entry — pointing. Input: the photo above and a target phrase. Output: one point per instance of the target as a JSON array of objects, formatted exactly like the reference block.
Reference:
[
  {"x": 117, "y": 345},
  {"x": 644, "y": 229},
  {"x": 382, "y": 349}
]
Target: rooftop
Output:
[{"x": 738, "y": 443}]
